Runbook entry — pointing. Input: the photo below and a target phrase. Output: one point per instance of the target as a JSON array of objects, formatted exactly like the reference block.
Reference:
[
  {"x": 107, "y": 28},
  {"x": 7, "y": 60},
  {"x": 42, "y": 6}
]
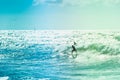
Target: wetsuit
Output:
[{"x": 74, "y": 50}]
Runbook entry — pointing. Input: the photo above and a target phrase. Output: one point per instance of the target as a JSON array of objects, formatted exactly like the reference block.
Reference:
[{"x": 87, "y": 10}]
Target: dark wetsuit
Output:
[{"x": 74, "y": 50}]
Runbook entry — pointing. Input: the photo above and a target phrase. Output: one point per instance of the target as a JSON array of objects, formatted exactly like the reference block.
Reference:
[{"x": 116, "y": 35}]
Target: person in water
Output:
[{"x": 74, "y": 50}]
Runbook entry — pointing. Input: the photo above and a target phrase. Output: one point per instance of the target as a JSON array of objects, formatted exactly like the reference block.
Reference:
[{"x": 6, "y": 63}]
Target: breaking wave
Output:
[{"x": 49, "y": 53}]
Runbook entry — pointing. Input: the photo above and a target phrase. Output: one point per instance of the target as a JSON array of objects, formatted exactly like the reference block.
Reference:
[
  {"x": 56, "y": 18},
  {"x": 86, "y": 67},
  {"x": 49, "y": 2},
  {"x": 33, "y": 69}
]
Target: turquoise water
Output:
[{"x": 46, "y": 55}]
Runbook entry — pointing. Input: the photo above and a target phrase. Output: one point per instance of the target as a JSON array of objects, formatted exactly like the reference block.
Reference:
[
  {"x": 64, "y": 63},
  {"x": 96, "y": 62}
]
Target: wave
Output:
[
  {"x": 23, "y": 42},
  {"x": 117, "y": 38},
  {"x": 23, "y": 51},
  {"x": 101, "y": 48}
]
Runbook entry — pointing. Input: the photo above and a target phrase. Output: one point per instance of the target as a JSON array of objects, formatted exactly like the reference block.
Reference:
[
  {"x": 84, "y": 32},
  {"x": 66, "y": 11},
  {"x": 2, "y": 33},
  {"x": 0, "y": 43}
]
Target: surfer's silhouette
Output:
[{"x": 74, "y": 50}]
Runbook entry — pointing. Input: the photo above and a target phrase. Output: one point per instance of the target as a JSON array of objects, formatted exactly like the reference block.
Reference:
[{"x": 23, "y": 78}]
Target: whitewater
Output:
[{"x": 46, "y": 55}]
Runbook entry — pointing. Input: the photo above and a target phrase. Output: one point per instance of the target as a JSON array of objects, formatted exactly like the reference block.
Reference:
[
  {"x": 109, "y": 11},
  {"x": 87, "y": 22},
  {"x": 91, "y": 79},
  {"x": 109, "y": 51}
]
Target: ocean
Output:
[{"x": 47, "y": 55}]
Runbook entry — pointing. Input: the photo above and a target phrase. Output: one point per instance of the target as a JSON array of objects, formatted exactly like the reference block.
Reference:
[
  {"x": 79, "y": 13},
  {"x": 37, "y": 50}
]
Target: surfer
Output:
[{"x": 74, "y": 50}]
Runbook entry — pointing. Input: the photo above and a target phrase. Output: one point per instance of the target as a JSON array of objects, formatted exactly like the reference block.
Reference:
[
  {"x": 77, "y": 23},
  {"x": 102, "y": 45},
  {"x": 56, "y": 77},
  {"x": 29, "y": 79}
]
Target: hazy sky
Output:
[{"x": 60, "y": 14}]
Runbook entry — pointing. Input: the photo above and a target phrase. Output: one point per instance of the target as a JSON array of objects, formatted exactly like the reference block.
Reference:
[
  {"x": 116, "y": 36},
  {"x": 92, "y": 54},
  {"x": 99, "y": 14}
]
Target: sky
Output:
[{"x": 59, "y": 14}]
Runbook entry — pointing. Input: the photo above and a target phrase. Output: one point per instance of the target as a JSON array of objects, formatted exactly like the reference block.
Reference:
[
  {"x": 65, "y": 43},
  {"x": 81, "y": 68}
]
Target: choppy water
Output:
[{"x": 46, "y": 55}]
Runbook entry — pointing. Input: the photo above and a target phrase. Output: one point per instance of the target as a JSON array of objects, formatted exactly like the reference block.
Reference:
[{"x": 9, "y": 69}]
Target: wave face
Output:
[{"x": 46, "y": 55}]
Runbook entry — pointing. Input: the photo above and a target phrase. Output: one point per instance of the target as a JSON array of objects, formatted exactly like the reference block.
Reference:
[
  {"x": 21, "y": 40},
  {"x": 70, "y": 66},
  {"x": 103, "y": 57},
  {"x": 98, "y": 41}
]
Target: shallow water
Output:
[{"x": 46, "y": 55}]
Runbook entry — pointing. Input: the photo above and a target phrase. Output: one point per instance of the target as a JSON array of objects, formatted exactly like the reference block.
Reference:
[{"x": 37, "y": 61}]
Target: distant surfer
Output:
[{"x": 74, "y": 50}]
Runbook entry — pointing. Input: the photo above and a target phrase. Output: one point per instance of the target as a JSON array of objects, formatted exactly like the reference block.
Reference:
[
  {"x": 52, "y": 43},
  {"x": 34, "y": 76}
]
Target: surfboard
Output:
[{"x": 74, "y": 54}]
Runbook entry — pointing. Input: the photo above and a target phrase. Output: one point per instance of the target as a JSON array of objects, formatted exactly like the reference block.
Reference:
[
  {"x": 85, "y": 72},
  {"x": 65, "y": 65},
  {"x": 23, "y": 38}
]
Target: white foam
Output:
[
  {"x": 44, "y": 79},
  {"x": 90, "y": 57},
  {"x": 4, "y": 78}
]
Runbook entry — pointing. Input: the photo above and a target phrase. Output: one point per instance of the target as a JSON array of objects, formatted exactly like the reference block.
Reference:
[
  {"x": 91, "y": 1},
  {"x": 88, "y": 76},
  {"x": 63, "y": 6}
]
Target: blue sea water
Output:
[{"x": 46, "y": 55}]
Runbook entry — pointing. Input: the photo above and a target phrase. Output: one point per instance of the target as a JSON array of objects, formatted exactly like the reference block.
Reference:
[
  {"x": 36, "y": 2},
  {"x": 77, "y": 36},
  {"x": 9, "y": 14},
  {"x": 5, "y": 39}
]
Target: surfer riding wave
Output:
[{"x": 74, "y": 50}]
